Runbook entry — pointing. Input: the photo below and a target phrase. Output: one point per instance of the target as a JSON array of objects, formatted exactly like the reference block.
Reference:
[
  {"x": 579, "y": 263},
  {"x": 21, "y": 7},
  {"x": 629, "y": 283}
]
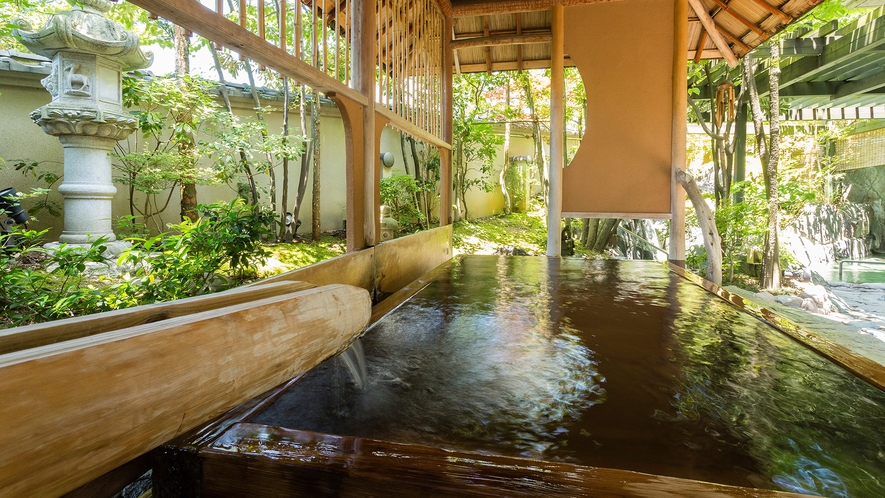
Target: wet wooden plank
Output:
[
  {"x": 400, "y": 261},
  {"x": 32, "y": 336},
  {"x": 75, "y": 410},
  {"x": 257, "y": 460},
  {"x": 355, "y": 268},
  {"x": 870, "y": 371}
]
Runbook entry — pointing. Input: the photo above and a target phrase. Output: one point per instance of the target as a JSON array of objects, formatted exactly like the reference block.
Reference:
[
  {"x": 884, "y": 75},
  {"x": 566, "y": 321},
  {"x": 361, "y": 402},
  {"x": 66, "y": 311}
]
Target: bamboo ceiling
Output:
[{"x": 515, "y": 34}]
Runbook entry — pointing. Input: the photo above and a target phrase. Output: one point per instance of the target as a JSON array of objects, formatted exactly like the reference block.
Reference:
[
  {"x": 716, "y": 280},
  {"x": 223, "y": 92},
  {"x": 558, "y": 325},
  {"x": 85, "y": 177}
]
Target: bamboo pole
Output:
[
  {"x": 337, "y": 41},
  {"x": 557, "y": 135},
  {"x": 219, "y": 9},
  {"x": 242, "y": 23},
  {"x": 313, "y": 35},
  {"x": 322, "y": 31}
]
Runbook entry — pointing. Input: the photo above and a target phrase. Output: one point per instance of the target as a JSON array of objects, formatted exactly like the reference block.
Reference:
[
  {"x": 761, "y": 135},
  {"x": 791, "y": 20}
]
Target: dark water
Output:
[{"x": 615, "y": 364}]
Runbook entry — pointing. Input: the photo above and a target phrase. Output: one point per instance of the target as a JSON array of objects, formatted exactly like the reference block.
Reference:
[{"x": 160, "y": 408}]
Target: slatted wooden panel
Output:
[{"x": 75, "y": 410}]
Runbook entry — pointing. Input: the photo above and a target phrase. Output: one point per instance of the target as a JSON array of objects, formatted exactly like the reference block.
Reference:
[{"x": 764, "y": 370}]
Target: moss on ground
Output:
[{"x": 293, "y": 255}]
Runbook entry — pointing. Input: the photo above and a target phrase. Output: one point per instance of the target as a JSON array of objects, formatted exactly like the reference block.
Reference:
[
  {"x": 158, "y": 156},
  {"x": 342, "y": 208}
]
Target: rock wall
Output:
[{"x": 823, "y": 233}]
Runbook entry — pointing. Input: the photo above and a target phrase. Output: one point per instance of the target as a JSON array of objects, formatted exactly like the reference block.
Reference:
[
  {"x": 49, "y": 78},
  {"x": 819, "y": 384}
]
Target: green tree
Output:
[{"x": 170, "y": 112}]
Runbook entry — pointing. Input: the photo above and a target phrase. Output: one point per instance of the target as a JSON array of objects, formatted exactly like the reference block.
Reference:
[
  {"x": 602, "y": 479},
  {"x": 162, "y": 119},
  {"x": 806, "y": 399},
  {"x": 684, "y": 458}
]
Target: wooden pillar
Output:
[
  {"x": 364, "y": 82},
  {"x": 352, "y": 117},
  {"x": 557, "y": 135},
  {"x": 445, "y": 155},
  {"x": 680, "y": 128}
]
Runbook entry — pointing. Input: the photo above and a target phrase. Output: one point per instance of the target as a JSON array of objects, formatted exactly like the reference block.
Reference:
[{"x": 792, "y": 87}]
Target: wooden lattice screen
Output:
[
  {"x": 409, "y": 57},
  {"x": 408, "y": 49}
]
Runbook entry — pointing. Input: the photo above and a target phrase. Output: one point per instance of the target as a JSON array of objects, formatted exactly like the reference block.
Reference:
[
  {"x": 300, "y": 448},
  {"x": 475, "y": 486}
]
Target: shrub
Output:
[
  {"x": 38, "y": 285},
  {"x": 400, "y": 194},
  {"x": 212, "y": 253}
]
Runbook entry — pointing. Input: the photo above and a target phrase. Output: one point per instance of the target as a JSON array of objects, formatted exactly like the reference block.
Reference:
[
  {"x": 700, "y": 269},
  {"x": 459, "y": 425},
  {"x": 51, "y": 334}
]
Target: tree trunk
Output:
[
  {"x": 712, "y": 241},
  {"x": 222, "y": 88},
  {"x": 766, "y": 153},
  {"x": 604, "y": 232},
  {"x": 502, "y": 179},
  {"x": 285, "y": 200},
  {"x": 182, "y": 68},
  {"x": 596, "y": 233},
  {"x": 771, "y": 271},
  {"x": 316, "y": 226},
  {"x": 422, "y": 201},
  {"x": 305, "y": 158},
  {"x": 539, "y": 161}
]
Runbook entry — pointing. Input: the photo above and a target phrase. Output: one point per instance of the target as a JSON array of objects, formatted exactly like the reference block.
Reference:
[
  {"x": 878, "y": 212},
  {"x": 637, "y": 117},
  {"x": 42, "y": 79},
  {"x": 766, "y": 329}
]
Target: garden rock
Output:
[
  {"x": 766, "y": 296},
  {"x": 792, "y": 301}
]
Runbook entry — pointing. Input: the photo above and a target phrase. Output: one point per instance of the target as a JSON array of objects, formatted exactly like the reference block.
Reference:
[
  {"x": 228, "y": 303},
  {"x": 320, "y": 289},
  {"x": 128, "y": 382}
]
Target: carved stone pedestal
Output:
[{"x": 89, "y": 53}]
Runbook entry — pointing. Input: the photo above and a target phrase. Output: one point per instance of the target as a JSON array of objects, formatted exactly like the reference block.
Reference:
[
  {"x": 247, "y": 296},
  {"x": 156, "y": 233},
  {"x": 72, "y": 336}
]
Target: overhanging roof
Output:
[{"x": 512, "y": 35}]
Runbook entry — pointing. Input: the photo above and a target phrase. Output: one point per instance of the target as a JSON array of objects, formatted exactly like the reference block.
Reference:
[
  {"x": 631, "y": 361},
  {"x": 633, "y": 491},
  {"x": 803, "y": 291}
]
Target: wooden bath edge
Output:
[
  {"x": 870, "y": 371},
  {"x": 261, "y": 460}
]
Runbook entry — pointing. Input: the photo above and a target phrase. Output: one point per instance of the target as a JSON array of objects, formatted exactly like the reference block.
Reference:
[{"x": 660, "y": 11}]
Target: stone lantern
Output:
[{"x": 89, "y": 53}]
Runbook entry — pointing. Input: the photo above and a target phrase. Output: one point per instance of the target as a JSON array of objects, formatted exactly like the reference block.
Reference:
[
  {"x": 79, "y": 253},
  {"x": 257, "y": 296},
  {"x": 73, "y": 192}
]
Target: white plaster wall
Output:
[{"x": 20, "y": 138}]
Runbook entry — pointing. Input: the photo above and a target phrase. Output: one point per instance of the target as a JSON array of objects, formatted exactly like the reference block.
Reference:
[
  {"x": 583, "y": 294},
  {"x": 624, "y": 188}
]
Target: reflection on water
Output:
[{"x": 606, "y": 363}]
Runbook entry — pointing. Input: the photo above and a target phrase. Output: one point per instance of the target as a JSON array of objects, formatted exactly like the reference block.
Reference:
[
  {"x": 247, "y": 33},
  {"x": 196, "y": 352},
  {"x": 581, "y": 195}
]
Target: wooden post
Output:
[
  {"x": 445, "y": 155},
  {"x": 557, "y": 135},
  {"x": 380, "y": 122},
  {"x": 680, "y": 102},
  {"x": 364, "y": 82}
]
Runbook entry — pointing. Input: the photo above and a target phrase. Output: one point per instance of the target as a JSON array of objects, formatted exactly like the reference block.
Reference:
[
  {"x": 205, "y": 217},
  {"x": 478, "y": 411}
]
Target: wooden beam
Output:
[
  {"x": 710, "y": 53},
  {"x": 773, "y": 10},
  {"x": 512, "y": 65},
  {"x": 714, "y": 34},
  {"x": 699, "y": 51},
  {"x": 741, "y": 19},
  {"x": 557, "y": 135},
  {"x": 865, "y": 39},
  {"x": 402, "y": 124},
  {"x": 75, "y": 410},
  {"x": 498, "y": 40},
  {"x": 488, "y": 50},
  {"x": 445, "y": 6},
  {"x": 445, "y": 154},
  {"x": 519, "y": 47},
  {"x": 42, "y": 334},
  {"x": 733, "y": 39},
  {"x": 796, "y": 47},
  {"x": 400, "y": 261},
  {"x": 192, "y": 15},
  {"x": 491, "y": 7},
  {"x": 865, "y": 85}
]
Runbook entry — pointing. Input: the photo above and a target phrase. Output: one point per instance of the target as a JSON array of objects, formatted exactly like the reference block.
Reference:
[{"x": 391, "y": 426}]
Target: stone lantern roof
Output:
[{"x": 84, "y": 29}]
